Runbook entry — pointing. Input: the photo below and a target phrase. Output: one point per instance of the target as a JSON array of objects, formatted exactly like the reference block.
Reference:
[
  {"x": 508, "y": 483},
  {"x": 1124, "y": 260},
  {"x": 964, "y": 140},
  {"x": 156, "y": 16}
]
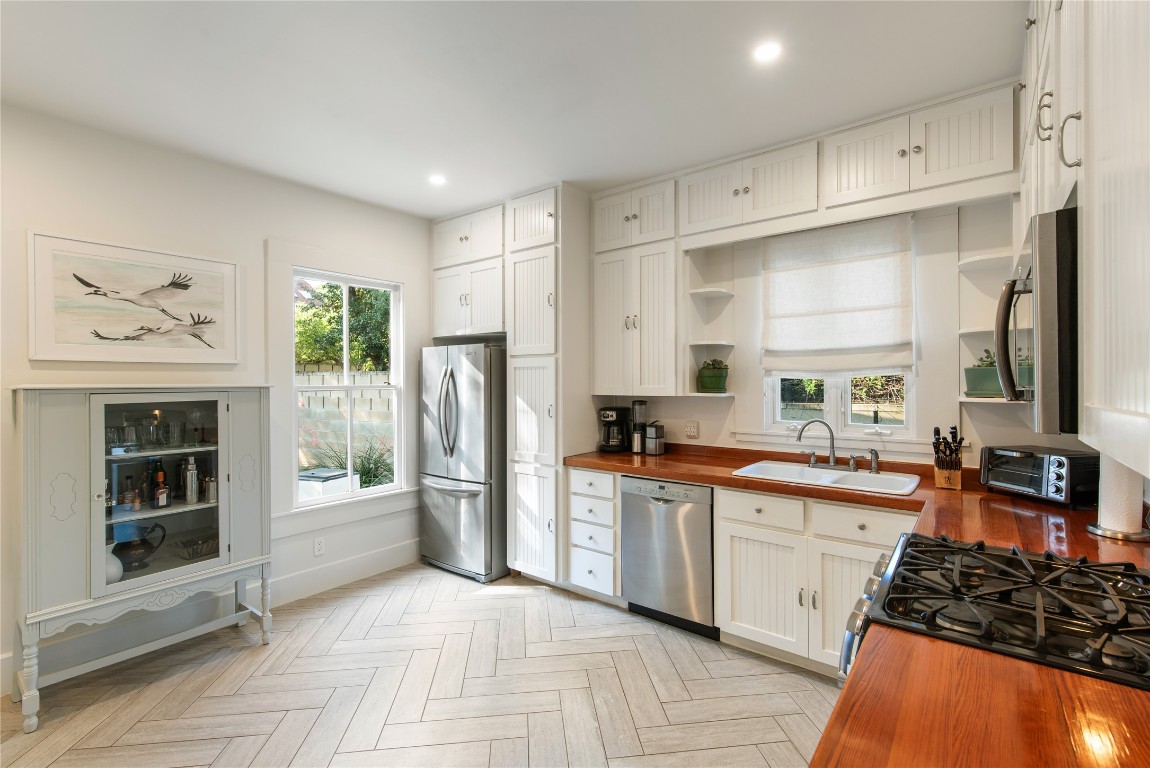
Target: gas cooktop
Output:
[{"x": 1092, "y": 618}]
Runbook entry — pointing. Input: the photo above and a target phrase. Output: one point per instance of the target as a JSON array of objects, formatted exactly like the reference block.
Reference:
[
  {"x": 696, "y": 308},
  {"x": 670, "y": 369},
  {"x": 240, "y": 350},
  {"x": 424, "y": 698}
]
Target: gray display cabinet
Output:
[{"x": 98, "y": 543}]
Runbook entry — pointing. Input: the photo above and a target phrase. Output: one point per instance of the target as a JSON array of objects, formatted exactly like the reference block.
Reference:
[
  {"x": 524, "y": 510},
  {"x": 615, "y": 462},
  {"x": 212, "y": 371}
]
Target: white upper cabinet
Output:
[
  {"x": 641, "y": 215},
  {"x": 635, "y": 321},
  {"x": 468, "y": 299},
  {"x": 531, "y": 302},
  {"x": 962, "y": 139},
  {"x": 778, "y": 183},
  {"x": 531, "y": 220},
  {"x": 1068, "y": 19},
  {"x": 467, "y": 238},
  {"x": 871, "y": 161}
]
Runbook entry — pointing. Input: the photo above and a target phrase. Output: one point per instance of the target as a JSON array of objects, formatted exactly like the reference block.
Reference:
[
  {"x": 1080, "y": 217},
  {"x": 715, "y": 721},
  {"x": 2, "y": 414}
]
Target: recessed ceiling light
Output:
[
  {"x": 768, "y": 52},
  {"x": 437, "y": 179}
]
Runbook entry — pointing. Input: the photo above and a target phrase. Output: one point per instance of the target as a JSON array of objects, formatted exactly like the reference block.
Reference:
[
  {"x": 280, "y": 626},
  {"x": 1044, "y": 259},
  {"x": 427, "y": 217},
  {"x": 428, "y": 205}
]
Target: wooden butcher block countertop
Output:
[{"x": 913, "y": 700}]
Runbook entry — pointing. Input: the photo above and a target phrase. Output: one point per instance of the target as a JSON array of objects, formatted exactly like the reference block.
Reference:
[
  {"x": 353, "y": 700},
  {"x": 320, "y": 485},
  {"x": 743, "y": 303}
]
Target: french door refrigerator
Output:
[{"x": 463, "y": 446}]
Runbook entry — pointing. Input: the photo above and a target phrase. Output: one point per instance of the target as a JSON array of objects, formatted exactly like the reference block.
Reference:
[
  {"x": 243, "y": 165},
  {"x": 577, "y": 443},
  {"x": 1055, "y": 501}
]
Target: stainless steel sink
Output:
[{"x": 894, "y": 483}]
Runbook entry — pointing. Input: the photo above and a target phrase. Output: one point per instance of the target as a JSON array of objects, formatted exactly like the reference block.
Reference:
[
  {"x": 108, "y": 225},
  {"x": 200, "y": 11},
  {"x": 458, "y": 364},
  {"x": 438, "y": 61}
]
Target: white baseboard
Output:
[{"x": 301, "y": 584}]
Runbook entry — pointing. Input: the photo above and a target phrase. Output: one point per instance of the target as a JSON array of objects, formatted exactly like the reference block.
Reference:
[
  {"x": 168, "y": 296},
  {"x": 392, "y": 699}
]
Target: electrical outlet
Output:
[
  {"x": 319, "y": 547},
  {"x": 691, "y": 430}
]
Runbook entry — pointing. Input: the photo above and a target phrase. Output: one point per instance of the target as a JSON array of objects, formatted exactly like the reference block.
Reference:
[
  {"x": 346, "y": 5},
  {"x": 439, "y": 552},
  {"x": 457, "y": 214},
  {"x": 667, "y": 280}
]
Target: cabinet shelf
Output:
[
  {"x": 991, "y": 400},
  {"x": 986, "y": 261},
  {"x": 711, "y": 293},
  {"x": 974, "y": 331},
  {"x": 144, "y": 514},
  {"x": 710, "y": 394},
  {"x": 717, "y": 343},
  {"x": 143, "y": 453}
]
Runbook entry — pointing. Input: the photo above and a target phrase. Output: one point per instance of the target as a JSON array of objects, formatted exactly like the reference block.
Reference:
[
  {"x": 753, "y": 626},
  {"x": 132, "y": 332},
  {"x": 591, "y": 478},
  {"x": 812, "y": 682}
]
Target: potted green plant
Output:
[
  {"x": 712, "y": 376},
  {"x": 982, "y": 377},
  {"x": 1025, "y": 368}
]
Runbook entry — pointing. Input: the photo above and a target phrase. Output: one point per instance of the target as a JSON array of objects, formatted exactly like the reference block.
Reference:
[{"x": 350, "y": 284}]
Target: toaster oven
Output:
[{"x": 1067, "y": 477}]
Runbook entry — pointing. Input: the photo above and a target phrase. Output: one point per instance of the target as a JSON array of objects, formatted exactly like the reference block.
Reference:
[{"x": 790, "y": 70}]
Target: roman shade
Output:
[{"x": 839, "y": 299}]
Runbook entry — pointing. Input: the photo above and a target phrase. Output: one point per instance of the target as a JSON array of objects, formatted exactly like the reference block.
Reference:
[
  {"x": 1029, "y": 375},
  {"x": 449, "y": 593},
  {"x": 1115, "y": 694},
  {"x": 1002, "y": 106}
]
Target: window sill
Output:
[
  {"x": 315, "y": 517},
  {"x": 843, "y": 441}
]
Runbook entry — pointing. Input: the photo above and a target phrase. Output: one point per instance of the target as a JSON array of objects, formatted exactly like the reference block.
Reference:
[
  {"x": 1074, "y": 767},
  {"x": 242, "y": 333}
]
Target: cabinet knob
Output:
[
  {"x": 634, "y": 217},
  {"x": 626, "y": 218},
  {"x": 1030, "y": 23},
  {"x": 862, "y": 526},
  {"x": 98, "y": 496},
  {"x": 902, "y": 153},
  {"x": 746, "y": 190},
  {"x": 589, "y": 510},
  {"x": 466, "y": 237},
  {"x": 461, "y": 238},
  {"x": 550, "y": 215},
  {"x": 590, "y": 483},
  {"x": 735, "y": 192},
  {"x": 916, "y": 149},
  {"x": 758, "y": 510},
  {"x": 590, "y": 538},
  {"x": 590, "y": 572}
]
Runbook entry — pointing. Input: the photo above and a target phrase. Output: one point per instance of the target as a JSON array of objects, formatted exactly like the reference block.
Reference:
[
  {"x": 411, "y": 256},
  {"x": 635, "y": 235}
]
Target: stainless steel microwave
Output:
[
  {"x": 1036, "y": 326},
  {"x": 1068, "y": 477}
]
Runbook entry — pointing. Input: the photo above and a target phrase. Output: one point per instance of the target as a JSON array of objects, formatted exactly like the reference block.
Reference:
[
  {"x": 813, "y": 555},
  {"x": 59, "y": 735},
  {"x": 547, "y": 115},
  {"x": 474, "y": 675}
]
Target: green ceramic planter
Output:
[
  {"x": 712, "y": 380},
  {"x": 982, "y": 382}
]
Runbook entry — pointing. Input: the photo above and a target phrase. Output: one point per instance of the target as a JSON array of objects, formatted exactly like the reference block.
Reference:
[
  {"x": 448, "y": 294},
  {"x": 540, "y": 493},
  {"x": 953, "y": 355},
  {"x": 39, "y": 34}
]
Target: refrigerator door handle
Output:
[
  {"x": 458, "y": 493},
  {"x": 441, "y": 411},
  {"x": 453, "y": 427}
]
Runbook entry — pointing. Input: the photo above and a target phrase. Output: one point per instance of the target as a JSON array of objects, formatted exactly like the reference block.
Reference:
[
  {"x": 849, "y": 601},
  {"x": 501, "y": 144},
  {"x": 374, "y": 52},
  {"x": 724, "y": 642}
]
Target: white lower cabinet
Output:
[
  {"x": 593, "y": 536},
  {"x": 788, "y": 589},
  {"x": 531, "y": 527}
]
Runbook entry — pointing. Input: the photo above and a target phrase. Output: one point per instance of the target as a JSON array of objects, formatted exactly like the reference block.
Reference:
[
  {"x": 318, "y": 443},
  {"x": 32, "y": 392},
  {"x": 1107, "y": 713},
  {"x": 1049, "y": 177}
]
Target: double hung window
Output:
[{"x": 347, "y": 355}]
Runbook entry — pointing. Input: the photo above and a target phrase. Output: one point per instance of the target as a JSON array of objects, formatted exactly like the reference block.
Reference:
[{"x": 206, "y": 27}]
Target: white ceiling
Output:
[{"x": 367, "y": 99}]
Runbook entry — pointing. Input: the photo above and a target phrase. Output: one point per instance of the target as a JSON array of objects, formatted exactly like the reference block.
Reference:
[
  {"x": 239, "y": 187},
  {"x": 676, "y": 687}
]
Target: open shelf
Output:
[
  {"x": 716, "y": 343},
  {"x": 994, "y": 261},
  {"x": 711, "y": 293},
  {"x": 974, "y": 331},
  {"x": 710, "y": 394},
  {"x": 991, "y": 400}
]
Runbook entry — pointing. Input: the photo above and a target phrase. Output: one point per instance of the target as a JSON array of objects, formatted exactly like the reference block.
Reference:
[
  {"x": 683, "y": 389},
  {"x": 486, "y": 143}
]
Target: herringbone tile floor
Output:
[{"x": 420, "y": 667}]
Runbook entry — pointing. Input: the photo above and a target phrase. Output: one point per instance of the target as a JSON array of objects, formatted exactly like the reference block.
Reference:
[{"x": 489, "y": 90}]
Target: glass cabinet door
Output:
[{"x": 161, "y": 511}]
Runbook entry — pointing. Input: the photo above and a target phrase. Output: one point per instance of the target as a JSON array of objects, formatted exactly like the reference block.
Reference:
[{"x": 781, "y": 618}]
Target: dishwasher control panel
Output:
[{"x": 661, "y": 489}]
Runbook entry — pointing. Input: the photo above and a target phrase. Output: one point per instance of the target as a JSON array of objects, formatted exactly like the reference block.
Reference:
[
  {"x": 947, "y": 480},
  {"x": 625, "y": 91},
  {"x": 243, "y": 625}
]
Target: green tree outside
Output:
[{"x": 319, "y": 326}]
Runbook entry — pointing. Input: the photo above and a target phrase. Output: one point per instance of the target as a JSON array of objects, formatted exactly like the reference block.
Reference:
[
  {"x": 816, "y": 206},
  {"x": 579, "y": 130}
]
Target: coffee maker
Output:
[{"x": 614, "y": 429}]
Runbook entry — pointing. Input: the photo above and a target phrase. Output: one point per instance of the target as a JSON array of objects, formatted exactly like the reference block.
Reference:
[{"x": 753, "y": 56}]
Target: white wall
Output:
[{"x": 62, "y": 178}]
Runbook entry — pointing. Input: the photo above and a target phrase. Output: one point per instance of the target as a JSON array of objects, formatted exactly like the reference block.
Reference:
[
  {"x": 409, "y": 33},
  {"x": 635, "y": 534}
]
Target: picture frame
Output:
[{"x": 102, "y": 302}]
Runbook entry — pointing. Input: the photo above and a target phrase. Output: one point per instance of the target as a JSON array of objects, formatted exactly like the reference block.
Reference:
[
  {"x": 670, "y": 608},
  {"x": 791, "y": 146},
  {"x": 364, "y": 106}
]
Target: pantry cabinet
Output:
[
  {"x": 782, "y": 182},
  {"x": 531, "y": 302},
  {"x": 531, "y": 220},
  {"x": 635, "y": 217},
  {"x": 467, "y": 238},
  {"x": 166, "y": 498},
  {"x": 468, "y": 299},
  {"x": 634, "y": 321},
  {"x": 532, "y": 528},
  {"x": 531, "y": 412}
]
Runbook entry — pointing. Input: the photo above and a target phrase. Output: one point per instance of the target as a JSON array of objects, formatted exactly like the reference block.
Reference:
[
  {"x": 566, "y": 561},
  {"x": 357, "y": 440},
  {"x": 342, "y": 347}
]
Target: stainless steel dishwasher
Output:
[{"x": 667, "y": 553}]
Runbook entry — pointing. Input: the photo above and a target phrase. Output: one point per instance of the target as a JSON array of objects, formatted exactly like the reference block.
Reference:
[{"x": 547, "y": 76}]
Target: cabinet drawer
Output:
[
  {"x": 592, "y": 570},
  {"x": 870, "y": 526},
  {"x": 599, "y": 511},
  {"x": 594, "y": 537},
  {"x": 601, "y": 484},
  {"x": 761, "y": 509}
]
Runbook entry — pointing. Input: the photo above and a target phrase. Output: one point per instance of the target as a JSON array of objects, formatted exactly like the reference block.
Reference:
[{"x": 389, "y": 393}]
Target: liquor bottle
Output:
[
  {"x": 148, "y": 481},
  {"x": 178, "y": 491},
  {"x": 192, "y": 482},
  {"x": 125, "y": 496},
  {"x": 161, "y": 494}
]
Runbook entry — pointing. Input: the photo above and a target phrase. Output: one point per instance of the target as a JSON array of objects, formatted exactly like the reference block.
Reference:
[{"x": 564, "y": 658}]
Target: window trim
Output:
[
  {"x": 395, "y": 386},
  {"x": 836, "y": 389}
]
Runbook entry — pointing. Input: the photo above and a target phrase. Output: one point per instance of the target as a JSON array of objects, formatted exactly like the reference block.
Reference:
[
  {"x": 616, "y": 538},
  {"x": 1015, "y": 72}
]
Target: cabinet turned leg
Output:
[
  {"x": 241, "y": 587},
  {"x": 30, "y": 704},
  {"x": 266, "y": 606}
]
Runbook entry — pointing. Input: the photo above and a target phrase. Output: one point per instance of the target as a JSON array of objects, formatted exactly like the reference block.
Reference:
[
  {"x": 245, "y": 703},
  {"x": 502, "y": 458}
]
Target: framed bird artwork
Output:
[{"x": 104, "y": 302}]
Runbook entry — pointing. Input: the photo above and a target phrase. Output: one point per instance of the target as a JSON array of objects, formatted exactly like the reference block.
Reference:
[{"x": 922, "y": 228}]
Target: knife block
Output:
[{"x": 950, "y": 479}]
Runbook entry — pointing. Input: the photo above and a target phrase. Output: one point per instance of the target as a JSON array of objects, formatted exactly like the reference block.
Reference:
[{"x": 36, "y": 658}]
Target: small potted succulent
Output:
[
  {"x": 712, "y": 376},
  {"x": 982, "y": 377}
]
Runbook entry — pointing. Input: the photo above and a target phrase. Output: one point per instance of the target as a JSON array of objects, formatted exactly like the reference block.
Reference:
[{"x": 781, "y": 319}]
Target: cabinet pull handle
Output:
[
  {"x": 800, "y": 598},
  {"x": 461, "y": 299},
  {"x": 550, "y": 411},
  {"x": 550, "y": 299},
  {"x": 1038, "y": 126},
  {"x": 758, "y": 510},
  {"x": 627, "y": 322},
  {"x": 916, "y": 149},
  {"x": 635, "y": 321},
  {"x": 815, "y": 600},
  {"x": 902, "y": 153},
  {"x": 862, "y": 526},
  {"x": 550, "y": 527},
  {"x": 467, "y": 299},
  {"x": 1061, "y": 133}
]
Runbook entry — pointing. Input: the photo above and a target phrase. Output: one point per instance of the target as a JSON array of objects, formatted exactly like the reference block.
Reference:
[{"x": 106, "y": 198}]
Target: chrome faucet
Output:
[{"x": 831, "y": 432}]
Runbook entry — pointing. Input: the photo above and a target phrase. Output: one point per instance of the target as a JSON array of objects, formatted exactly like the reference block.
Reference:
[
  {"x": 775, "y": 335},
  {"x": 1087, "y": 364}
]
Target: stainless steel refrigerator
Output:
[{"x": 463, "y": 459}]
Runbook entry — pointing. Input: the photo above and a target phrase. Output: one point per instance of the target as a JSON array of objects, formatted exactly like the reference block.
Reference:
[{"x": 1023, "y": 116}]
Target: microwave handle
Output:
[
  {"x": 1013, "y": 453},
  {"x": 1002, "y": 353}
]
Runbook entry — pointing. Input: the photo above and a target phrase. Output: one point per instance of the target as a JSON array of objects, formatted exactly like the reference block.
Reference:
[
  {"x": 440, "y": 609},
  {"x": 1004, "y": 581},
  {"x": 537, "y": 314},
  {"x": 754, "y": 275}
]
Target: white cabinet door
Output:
[
  {"x": 612, "y": 324},
  {"x": 483, "y": 236},
  {"x": 484, "y": 297},
  {"x": 531, "y": 538},
  {"x": 531, "y": 302},
  {"x": 867, "y": 162},
  {"x": 531, "y": 410},
  {"x": 613, "y": 222},
  {"x": 710, "y": 199},
  {"x": 837, "y": 573},
  {"x": 530, "y": 220},
  {"x": 760, "y": 591},
  {"x": 1069, "y": 36},
  {"x": 962, "y": 139},
  {"x": 447, "y": 244},
  {"x": 653, "y": 212},
  {"x": 653, "y": 362},
  {"x": 449, "y": 289},
  {"x": 781, "y": 183}
]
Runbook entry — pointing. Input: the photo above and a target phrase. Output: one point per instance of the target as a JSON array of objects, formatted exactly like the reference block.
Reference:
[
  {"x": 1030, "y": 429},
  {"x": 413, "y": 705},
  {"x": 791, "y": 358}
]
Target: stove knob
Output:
[
  {"x": 1058, "y": 463},
  {"x": 1057, "y": 477},
  {"x": 880, "y": 566},
  {"x": 858, "y": 616},
  {"x": 1056, "y": 490},
  {"x": 871, "y": 588}
]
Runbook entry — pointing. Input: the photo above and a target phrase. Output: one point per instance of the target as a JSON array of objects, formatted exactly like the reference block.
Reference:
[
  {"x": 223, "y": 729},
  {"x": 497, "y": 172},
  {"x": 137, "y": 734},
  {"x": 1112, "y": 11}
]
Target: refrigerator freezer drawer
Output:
[{"x": 457, "y": 529}]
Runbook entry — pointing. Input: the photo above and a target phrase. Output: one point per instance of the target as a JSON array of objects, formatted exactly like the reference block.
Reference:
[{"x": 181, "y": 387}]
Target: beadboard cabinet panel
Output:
[
  {"x": 710, "y": 199},
  {"x": 532, "y": 410},
  {"x": 867, "y": 162},
  {"x": 531, "y": 302},
  {"x": 781, "y": 183},
  {"x": 962, "y": 139},
  {"x": 532, "y": 528},
  {"x": 530, "y": 220}
]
